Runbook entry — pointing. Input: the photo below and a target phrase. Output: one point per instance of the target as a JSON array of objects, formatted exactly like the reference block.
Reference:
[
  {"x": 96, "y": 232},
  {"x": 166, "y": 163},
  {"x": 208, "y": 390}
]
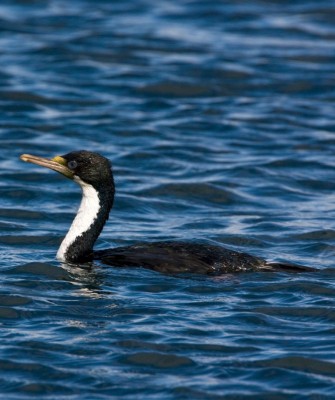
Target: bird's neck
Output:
[{"x": 92, "y": 214}]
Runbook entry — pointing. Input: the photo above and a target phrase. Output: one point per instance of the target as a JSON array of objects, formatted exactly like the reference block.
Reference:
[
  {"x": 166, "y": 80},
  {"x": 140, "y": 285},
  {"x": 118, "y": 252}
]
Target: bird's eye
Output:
[{"x": 72, "y": 164}]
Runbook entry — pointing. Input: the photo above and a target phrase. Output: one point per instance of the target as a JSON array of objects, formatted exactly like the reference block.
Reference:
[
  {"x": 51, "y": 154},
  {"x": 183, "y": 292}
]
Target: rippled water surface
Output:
[{"x": 219, "y": 119}]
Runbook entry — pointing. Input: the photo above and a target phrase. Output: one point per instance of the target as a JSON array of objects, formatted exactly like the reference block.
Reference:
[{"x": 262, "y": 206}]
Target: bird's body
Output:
[
  {"x": 180, "y": 257},
  {"x": 93, "y": 173}
]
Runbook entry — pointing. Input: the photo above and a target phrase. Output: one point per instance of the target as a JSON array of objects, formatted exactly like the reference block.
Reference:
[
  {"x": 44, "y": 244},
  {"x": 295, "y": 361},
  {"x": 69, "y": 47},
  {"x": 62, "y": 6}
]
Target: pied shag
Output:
[{"x": 93, "y": 173}]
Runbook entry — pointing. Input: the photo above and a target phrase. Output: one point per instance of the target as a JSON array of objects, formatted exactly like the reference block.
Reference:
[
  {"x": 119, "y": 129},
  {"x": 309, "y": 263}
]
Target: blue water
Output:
[{"x": 219, "y": 119}]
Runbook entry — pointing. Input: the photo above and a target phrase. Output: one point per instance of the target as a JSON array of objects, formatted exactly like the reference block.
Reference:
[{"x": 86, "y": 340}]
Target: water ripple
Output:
[{"x": 218, "y": 118}]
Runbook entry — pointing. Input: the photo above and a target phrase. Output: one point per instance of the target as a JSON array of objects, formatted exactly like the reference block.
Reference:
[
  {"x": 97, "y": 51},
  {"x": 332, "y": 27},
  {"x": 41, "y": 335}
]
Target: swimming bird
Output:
[{"x": 93, "y": 173}]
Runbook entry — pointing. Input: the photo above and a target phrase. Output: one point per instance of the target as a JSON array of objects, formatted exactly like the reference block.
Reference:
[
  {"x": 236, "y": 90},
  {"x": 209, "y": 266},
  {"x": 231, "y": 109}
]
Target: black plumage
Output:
[{"x": 93, "y": 173}]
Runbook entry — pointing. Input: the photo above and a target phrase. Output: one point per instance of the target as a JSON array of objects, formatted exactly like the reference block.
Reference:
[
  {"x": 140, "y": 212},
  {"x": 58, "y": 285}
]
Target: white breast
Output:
[{"x": 87, "y": 213}]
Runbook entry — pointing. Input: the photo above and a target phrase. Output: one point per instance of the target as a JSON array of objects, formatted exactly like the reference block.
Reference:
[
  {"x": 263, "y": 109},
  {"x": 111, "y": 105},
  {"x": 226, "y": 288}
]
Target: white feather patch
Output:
[{"x": 87, "y": 213}]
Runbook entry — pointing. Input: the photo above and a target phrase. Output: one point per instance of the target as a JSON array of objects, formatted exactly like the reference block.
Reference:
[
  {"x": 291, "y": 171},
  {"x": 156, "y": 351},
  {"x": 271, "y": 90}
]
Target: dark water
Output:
[{"x": 219, "y": 119}]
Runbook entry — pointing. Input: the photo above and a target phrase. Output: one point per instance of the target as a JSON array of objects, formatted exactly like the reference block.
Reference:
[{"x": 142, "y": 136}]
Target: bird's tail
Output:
[{"x": 286, "y": 267}]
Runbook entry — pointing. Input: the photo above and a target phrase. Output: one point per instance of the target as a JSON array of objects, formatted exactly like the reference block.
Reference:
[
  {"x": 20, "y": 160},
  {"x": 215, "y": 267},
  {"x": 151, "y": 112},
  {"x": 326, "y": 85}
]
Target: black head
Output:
[
  {"x": 81, "y": 166},
  {"x": 89, "y": 167}
]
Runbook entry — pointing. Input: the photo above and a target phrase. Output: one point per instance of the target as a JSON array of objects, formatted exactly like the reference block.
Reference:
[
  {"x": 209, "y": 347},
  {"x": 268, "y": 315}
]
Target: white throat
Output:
[{"x": 87, "y": 213}]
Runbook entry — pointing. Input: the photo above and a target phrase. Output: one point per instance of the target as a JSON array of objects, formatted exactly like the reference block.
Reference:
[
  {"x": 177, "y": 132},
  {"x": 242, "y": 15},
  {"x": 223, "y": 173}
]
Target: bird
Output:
[{"x": 93, "y": 173}]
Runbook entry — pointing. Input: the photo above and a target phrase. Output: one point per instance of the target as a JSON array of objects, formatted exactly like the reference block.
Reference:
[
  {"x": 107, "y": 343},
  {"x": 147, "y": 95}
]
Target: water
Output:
[{"x": 219, "y": 120}]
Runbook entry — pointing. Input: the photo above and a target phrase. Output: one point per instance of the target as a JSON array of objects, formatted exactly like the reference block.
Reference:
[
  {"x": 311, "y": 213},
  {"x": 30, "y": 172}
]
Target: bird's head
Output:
[{"x": 84, "y": 167}]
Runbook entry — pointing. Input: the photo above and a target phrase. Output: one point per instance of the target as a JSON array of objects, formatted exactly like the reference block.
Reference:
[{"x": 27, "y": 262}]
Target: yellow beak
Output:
[{"x": 57, "y": 163}]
